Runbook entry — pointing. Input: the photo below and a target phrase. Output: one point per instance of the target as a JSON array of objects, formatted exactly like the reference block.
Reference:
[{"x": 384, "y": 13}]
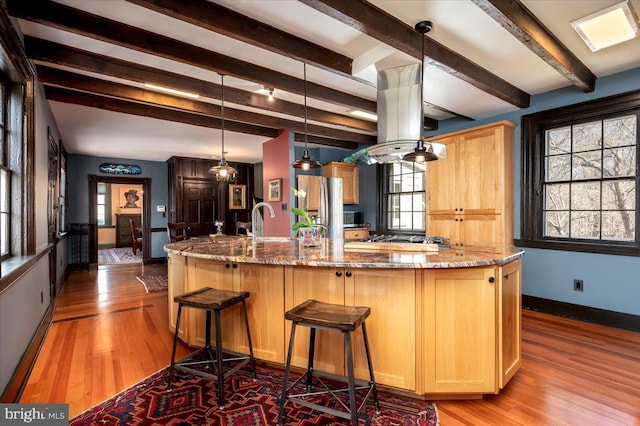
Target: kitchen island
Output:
[{"x": 443, "y": 324}]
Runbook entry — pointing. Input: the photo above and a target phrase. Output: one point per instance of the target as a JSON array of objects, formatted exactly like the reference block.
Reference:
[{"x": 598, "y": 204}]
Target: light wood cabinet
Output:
[
  {"x": 460, "y": 330},
  {"x": 472, "y": 329},
  {"x": 383, "y": 290},
  {"x": 176, "y": 266},
  {"x": 470, "y": 192},
  {"x": 510, "y": 321},
  {"x": 350, "y": 180},
  {"x": 265, "y": 306}
]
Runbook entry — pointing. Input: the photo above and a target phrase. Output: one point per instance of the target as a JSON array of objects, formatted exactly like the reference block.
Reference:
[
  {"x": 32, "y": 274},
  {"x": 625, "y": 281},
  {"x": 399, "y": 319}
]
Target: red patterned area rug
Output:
[
  {"x": 193, "y": 401},
  {"x": 154, "y": 282}
]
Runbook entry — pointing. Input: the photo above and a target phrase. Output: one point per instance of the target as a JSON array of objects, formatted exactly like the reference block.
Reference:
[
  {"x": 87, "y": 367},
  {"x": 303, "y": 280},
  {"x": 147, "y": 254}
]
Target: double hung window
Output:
[{"x": 404, "y": 195}]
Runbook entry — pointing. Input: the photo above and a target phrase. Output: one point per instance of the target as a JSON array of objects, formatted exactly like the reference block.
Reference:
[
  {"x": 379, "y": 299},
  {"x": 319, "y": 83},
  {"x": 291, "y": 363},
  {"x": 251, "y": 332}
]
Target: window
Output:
[
  {"x": 405, "y": 197},
  {"x": 104, "y": 204},
  {"x": 581, "y": 189},
  {"x": 5, "y": 178}
]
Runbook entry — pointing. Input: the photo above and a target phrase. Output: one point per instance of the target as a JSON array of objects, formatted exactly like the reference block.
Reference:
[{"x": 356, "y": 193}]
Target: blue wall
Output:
[
  {"x": 610, "y": 282},
  {"x": 81, "y": 166}
]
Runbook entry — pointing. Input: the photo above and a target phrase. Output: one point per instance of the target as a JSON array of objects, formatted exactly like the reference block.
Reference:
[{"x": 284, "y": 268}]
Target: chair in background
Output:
[
  {"x": 243, "y": 225},
  {"x": 136, "y": 237},
  {"x": 177, "y": 232}
]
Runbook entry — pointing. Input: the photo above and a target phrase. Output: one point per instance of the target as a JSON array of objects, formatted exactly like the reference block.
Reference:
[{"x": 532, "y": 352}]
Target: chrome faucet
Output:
[{"x": 254, "y": 220}]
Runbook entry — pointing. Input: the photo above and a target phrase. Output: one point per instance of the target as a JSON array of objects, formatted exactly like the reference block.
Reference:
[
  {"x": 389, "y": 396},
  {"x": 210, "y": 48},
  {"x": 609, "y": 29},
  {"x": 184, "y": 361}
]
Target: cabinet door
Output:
[
  {"x": 177, "y": 270},
  {"x": 480, "y": 167},
  {"x": 442, "y": 186},
  {"x": 391, "y": 295},
  {"x": 444, "y": 225},
  {"x": 265, "y": 309},
  {"x": 509, "y": 317},
  {"x": 460, "y": 330},
  {"x": 324, "y": 285},
  {"x": 480, "y": 231},
  {"x": 214, "y": 274},
  {"x": 350, "y": 180}
]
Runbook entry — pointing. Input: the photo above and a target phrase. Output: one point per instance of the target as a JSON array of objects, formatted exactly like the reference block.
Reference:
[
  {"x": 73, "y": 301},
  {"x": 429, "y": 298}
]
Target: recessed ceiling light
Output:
[
  {"x": 608, "y": 27},
  {"x": 172, "y": 91},
  {"x": 363, "y": 114}
]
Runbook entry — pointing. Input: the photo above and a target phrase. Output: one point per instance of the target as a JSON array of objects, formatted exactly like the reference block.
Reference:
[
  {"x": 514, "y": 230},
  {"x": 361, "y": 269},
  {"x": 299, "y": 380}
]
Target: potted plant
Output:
[{"x": 309, "y": 228}]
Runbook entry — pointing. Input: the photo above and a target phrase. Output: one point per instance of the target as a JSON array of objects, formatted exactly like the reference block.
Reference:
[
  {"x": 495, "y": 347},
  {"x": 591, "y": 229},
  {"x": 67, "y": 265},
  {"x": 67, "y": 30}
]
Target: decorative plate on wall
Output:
[{"x": 120, "y": 169}]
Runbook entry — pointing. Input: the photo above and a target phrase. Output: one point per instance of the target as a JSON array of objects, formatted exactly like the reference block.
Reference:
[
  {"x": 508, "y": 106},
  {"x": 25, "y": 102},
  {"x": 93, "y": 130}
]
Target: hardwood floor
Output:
[{"x": 109, "y": 334}]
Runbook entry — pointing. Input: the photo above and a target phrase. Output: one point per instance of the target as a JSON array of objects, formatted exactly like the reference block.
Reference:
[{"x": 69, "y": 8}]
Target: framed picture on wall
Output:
[
  {"x": 237, "y": 197},
  {"x": 129, "y": 199},
  {"x": 274, "y": 190}
]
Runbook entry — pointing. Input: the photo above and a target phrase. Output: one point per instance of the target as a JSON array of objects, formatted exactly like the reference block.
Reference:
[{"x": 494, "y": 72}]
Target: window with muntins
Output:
[
  {"x": 405, "y": 197},
  {"x": 5, "y": 177},
  {"x": 581, "y": 189}
]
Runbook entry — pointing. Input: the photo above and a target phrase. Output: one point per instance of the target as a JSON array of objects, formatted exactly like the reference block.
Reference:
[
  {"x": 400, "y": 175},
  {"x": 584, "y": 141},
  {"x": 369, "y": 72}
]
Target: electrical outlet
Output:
[{"x": 578, "y": 285}]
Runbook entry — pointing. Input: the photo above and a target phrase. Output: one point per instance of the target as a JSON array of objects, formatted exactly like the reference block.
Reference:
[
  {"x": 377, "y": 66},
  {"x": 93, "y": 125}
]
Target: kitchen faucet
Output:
[{"x": 254, "y": 220}]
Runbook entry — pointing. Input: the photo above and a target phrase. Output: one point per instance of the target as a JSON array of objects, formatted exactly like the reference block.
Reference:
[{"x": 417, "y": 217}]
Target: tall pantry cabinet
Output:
[{"x": 470, "y": 192}]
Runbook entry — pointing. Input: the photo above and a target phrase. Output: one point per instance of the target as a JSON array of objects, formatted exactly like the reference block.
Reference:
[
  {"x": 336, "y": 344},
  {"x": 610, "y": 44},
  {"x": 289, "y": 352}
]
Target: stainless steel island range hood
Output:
[{"x": 400, "y": 115}]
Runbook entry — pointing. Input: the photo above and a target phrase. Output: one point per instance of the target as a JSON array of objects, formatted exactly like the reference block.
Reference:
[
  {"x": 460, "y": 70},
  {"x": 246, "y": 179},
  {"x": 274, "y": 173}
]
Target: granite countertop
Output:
[{"x": 286, "y": 251}]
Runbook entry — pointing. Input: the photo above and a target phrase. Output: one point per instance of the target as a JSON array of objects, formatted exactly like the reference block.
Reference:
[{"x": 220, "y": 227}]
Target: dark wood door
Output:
[{"x": 198, "y": 207}]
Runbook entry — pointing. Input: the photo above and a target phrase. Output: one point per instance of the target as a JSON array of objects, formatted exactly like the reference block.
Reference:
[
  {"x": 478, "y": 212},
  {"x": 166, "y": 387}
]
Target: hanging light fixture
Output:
[
  {"x": 422, "y": 153},
  {"x": 305, "y": 162},
  {"x": 223, "y": 171}
]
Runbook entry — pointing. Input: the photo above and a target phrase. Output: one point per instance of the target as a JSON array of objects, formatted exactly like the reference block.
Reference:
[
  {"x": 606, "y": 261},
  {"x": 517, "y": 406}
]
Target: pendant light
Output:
[
  {"x": 422, "y": 153},
  {"x": 305, "y": 163},
  {"x": 223, "y": 171}
]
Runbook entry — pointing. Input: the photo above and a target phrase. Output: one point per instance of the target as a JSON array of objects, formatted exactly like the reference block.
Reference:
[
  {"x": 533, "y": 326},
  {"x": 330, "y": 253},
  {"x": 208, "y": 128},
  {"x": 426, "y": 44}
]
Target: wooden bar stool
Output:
[
  {"x": 339, "y": 318},
  {"x": 212, "y": 300}
]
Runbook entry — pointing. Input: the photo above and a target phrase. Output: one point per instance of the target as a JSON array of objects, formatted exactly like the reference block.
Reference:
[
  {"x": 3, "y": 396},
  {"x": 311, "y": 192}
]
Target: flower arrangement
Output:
[{"x": 304, "y": 221}]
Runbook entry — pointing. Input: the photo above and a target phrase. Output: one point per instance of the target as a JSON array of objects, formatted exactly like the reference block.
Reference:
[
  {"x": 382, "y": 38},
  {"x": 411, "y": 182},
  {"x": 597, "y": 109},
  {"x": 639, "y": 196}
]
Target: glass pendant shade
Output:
[
  {"x": 223, "y": 171},
  {"x": 305, "y": 162}
]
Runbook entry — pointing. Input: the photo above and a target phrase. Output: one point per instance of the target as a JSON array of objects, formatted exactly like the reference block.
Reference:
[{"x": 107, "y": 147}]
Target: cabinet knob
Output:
[
  {"x": 456, "y": 219},
  {"x": 338, "y": 274},
  {"x": 348, "y": 273},
  {"x": 227, "y": 266},
  {"x": 235, "y": 266},
  {"x": 491, "y": 280},
  {"x": 506, "y": 277},
  {"x": 461, "y": 219}
]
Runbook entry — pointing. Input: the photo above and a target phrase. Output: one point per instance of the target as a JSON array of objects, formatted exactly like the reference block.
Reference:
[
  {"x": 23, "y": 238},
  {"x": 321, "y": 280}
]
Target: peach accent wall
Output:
[{"x": 275, "y": 163}]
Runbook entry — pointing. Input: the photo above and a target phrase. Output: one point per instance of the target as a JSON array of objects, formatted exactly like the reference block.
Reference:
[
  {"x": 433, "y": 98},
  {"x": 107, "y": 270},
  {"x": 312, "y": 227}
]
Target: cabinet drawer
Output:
[{"x": 355, "y": 234}]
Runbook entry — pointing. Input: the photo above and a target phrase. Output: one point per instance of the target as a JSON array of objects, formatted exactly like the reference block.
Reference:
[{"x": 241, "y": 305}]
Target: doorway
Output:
[{"x": 123, "y": 192}]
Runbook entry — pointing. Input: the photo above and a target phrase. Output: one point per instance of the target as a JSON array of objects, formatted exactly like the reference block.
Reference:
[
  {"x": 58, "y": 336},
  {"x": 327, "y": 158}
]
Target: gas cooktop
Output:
[{"x": 417, "y": 239}]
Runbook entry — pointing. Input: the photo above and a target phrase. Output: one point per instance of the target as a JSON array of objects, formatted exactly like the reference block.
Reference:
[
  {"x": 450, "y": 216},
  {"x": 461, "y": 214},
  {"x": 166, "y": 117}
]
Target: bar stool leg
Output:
[
  {"x": 287, "y": 368},
  {"x": 373, "y": 381},
  {"x": 246, "y": 324},
  {"x": 350, "y": 375},
  {"x": 219, "y": 372},
  {"x": 175, "y": 345},
  {"x": 312, "y": 351}
]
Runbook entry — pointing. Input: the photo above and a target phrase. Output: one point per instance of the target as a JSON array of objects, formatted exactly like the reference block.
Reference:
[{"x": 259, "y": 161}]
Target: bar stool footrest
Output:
[
  {"x": 189, "y": 360},
  {"x": 359, "y": 384}
]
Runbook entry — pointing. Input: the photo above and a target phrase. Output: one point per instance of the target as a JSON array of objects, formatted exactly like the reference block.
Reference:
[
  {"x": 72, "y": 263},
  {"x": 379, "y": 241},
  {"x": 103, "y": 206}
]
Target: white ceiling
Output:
[{"x": 459, "y": 25}]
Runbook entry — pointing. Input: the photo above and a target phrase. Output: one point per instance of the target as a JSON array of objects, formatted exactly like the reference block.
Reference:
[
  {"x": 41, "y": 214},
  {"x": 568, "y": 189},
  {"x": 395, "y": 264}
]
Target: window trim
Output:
[
  {"x": 385, "y": 175},
  {"x": 533, "y": 126}
]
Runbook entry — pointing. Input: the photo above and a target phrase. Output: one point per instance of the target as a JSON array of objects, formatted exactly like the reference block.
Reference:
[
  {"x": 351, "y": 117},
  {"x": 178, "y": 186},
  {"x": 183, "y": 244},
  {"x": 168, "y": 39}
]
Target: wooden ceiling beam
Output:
[
  {"x": 373, "y": 21},
  {"x": 514, "y": 17},
  {"x": 58, "y": 54},
  {"x": 69, "y": 96},
  {"x": 219, "y": 19},
  {"x": 78, "y": 82},
  {"x": 66, "y": 18}
]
